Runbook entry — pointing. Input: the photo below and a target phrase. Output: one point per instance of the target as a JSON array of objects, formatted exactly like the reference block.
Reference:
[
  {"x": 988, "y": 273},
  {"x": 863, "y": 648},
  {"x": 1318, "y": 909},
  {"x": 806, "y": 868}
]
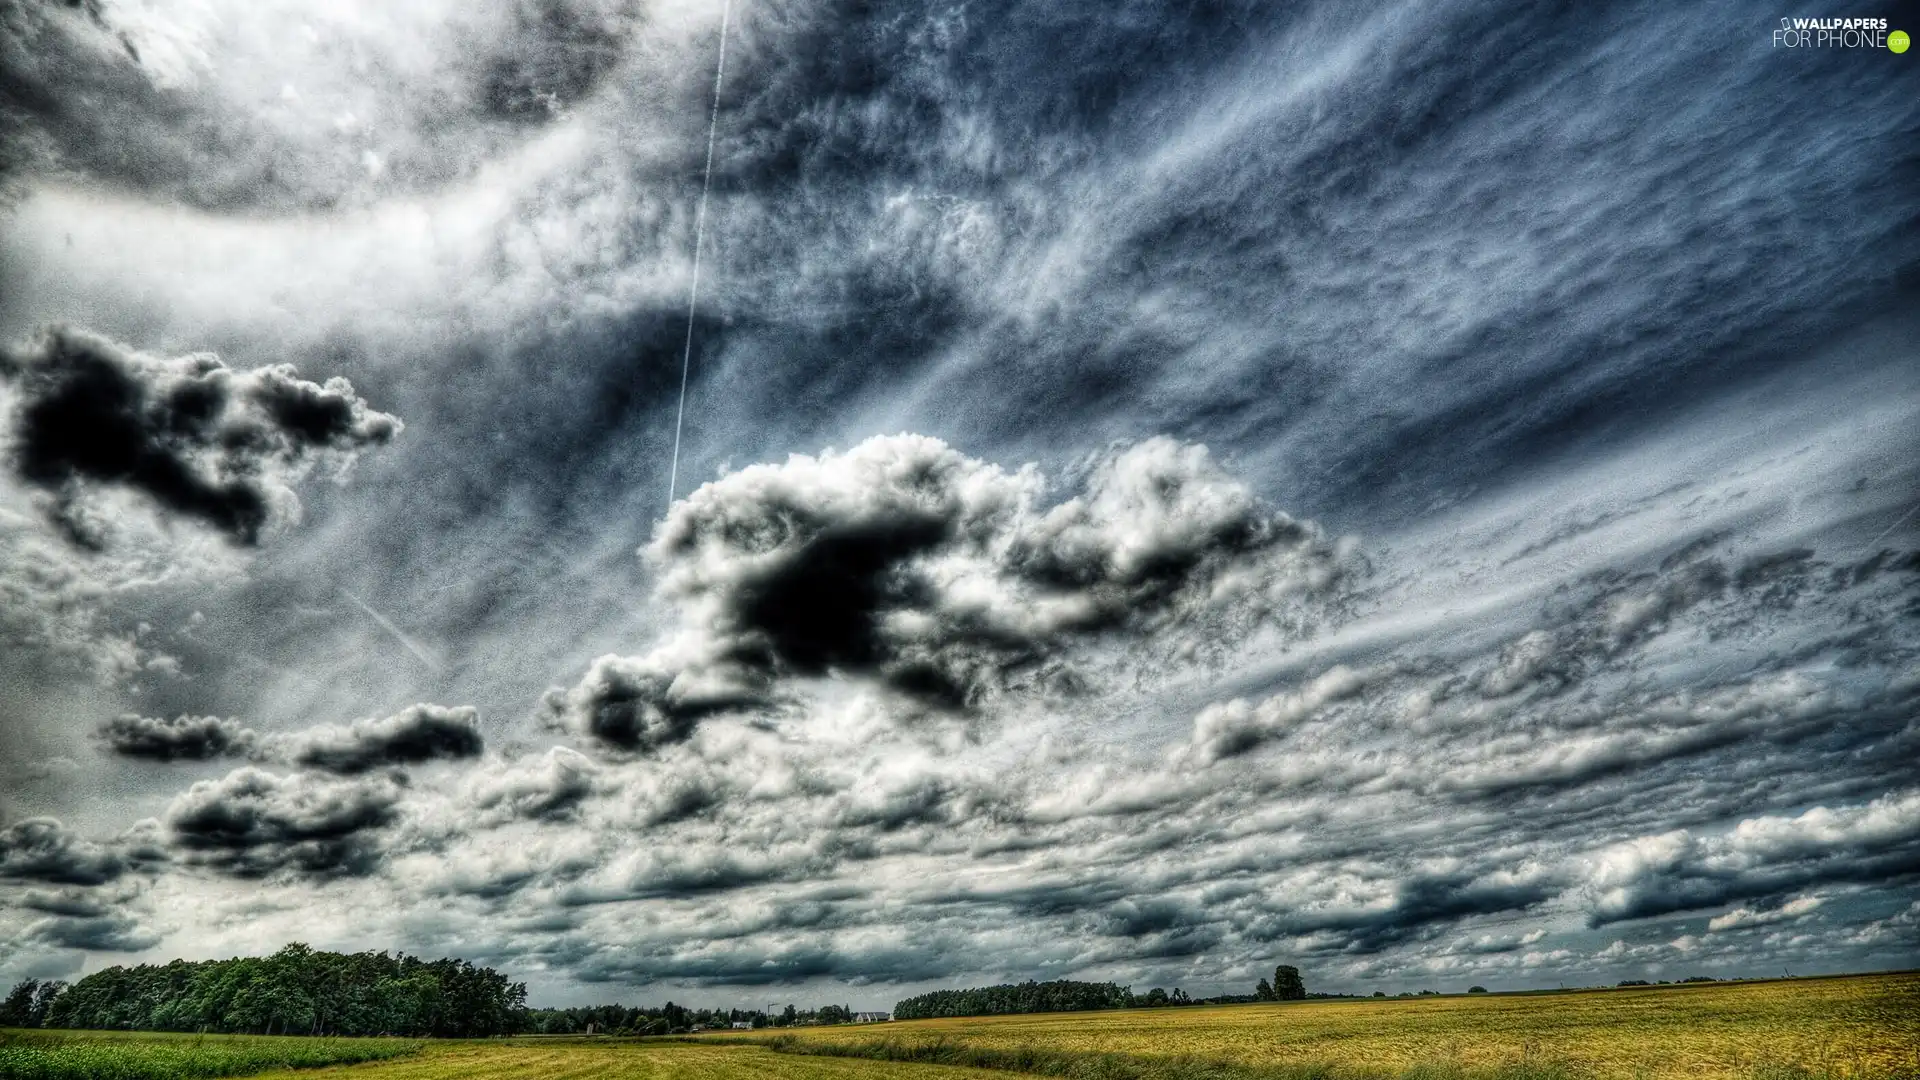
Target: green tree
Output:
[
  {"x": 1029, "y": 997},
  {"x": 17, "y": 1009},
  {"x": 1264, "y": 991},
  {"x": 1287, "y": 984},
  {"x": 296, "y": 991},
  {"x": 43, "y": 1000}
]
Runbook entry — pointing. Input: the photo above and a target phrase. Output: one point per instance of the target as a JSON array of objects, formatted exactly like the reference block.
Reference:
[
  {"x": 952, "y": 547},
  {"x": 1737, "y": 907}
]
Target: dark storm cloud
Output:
[
  {"x": 113, "y": 932},
  {"x": 189, "y": 738},
  {"x": 416, "y": 734},
  {"x": 42, "y": 849},
  {"x": 623, "y": 702},
  {"x": 944, "y": 578},
  {"x": 253, "y": 823},
  {"x": 196, "y": 437},
  {"x": 72, "y": 903}
]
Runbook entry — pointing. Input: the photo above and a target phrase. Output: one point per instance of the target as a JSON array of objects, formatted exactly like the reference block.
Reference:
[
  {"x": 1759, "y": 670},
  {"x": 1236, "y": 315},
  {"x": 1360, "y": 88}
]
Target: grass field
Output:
[
  {"x": 111, "y": 1055},
  {"x": 628, "y": 1059},
  {"x": 1854, "y": 1028}
]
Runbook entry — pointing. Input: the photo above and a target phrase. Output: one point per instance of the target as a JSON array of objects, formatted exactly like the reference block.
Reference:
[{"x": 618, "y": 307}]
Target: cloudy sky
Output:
[{"x": 1425, "y": 492}]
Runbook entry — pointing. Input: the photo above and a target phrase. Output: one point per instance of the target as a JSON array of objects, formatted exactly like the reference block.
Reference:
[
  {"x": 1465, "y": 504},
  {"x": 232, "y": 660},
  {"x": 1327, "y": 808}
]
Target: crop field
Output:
[
  {"x": 629, "y": 1059},
  {"x": 1854, "y": 1028},
  {"x": 109, "y": 1055}
]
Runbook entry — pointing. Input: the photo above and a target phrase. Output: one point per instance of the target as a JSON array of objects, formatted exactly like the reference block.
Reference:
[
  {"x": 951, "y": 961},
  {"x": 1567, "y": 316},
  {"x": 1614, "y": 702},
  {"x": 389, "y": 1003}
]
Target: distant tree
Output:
[
  {"x": 1287, "y": 984},
  {"x": 1155, "y": 998},
  {"x": 1379, "y": 993},
  {"x": 1029, "y": 997},
  {"x": 834, "y": 1014},
  {"x": 1263, "y": 991},
  {"x": 1429, "y": 993},
  {"x": 1699, "y": 979},
  {"x": 1476, "y": 989},
  {"x": 17, "y": 1010},
  {"x": 788, "y": 1016},
  {"x": 1632, "y": 982}
]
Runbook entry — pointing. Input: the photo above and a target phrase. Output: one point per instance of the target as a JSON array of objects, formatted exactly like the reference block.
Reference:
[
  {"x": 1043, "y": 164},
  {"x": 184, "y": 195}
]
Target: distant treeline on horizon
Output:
[{"x": 1066, "y": 995}]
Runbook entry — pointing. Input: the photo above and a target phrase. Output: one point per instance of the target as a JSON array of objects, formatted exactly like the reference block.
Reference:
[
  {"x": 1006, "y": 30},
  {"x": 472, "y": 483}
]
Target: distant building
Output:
[
  {"x": 743, "y": 1025},
  {"x": 871, "y": 1017}
]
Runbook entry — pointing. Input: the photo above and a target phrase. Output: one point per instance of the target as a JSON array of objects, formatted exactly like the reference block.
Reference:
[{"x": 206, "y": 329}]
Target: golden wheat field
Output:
[
  {"x": 627, "y": 1059},
  {"x": 1865, "y": 1025}
]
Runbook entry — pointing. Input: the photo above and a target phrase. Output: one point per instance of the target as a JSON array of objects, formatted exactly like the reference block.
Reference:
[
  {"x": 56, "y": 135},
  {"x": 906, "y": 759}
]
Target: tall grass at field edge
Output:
[{"x": 81, "y": 1055}]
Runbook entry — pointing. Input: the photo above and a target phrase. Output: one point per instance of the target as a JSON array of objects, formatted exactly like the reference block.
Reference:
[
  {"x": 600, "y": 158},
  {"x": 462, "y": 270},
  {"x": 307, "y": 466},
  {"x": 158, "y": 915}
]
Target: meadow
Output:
[
  {"x": 1852, "y": 1028},
  {"x": 112, "y": 1055}
]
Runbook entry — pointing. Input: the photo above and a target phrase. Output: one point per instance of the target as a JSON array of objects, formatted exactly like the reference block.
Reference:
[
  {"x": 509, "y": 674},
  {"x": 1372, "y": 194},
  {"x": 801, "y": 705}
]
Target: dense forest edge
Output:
[{"x": 296, "y": 991}]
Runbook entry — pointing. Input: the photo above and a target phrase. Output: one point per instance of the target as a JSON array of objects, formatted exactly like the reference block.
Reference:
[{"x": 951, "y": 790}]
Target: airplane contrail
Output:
[
  {"x": 1902, "y": 521},
  {"x": 699, "y": 232},
  {"x": 388, "y": 626}
]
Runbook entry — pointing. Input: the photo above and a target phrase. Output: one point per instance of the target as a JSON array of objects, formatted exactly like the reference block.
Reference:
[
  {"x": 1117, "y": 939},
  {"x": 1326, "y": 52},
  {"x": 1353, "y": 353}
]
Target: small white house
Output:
[
  {"x": 743, "y": 1025},
  {"x": 871, "y": 1017}
]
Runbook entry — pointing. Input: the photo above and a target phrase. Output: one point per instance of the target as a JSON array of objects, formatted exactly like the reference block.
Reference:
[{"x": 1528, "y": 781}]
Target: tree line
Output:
[
  {"x": 300, "y": 991},
  {"x": 671, "y": 1019},
  {"x": 1068, "y": 996},
  {"x": 296, "y": 991},
  {"x": 1027, "y": 997}
]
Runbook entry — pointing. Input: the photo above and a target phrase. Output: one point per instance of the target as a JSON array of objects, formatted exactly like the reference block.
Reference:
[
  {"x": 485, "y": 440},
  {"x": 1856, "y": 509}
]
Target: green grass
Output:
[{"x": 100, "y": 1055}]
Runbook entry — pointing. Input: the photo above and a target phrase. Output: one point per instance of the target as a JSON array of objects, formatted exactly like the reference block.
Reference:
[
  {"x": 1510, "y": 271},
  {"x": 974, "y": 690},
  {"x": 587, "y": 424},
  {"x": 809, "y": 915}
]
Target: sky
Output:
[{"x": 1424, "y": 492}]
